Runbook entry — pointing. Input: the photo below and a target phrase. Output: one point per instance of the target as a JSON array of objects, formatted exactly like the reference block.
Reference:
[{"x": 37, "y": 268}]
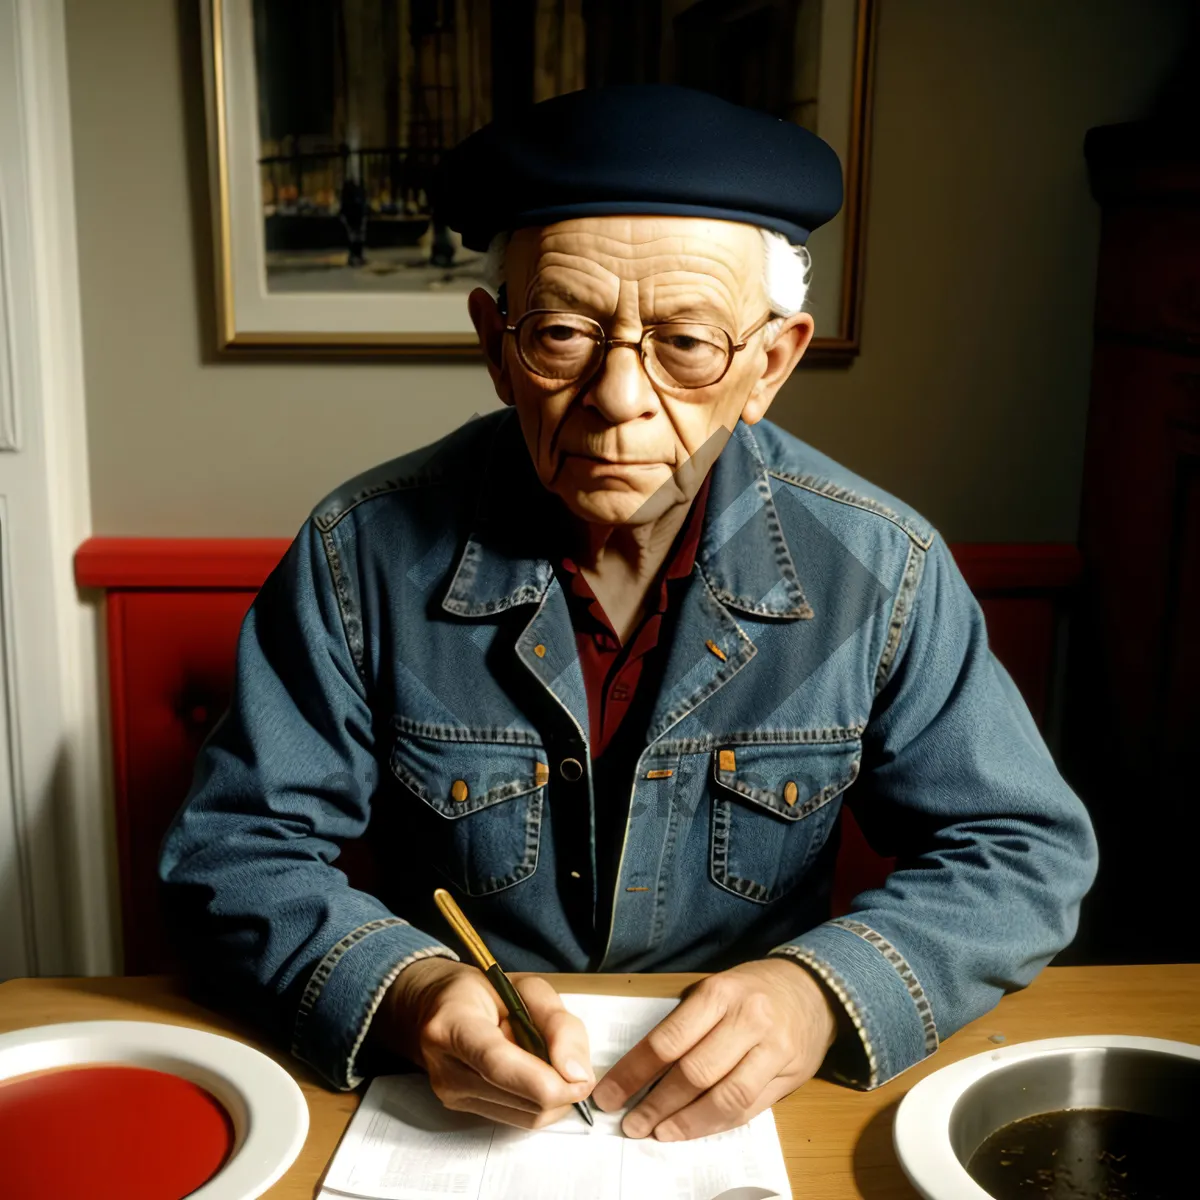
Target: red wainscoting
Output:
[{"x": 174, "y": 606}]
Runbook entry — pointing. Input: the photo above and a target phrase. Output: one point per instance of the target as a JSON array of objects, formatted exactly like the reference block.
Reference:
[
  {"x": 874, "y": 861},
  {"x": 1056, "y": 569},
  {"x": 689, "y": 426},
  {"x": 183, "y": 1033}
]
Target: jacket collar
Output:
[{"x": 743, "y": 557}]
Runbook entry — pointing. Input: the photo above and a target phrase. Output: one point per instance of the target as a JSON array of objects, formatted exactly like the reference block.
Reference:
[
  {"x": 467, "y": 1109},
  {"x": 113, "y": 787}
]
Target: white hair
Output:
[{"x": 785, "y": 274}]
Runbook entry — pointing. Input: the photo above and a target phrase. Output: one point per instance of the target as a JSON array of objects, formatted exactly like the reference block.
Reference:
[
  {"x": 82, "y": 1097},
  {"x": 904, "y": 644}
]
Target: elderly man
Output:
[{"x": 608, "y": 662}]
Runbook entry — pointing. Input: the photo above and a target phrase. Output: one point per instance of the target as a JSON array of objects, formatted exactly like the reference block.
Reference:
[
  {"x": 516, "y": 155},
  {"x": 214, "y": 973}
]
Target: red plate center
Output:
[{"x": 108, "y": 1133}]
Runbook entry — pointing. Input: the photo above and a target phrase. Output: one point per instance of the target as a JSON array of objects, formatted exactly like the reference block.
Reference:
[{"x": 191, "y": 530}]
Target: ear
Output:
[
  {"x": 489, "y": 324},
  {"x": 780, "y": 361}
]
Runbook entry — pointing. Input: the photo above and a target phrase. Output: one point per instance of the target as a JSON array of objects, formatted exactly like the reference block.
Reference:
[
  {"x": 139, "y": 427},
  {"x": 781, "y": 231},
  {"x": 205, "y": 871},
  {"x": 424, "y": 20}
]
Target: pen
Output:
[{"x": 528, "y": 1035}]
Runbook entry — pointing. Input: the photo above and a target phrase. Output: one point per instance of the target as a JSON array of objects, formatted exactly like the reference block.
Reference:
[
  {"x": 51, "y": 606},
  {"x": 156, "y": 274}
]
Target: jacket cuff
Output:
[
  {"x": 346, "y": 988},
  {"x": 880, "y": 994}
]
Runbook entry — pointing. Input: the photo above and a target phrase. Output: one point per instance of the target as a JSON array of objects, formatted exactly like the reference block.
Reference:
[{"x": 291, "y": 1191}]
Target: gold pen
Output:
[{"x": 528, "y": 1035}]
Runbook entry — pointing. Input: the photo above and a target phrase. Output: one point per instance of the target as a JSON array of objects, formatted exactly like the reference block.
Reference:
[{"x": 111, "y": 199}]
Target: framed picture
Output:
[{"x": 326, "y": 119}]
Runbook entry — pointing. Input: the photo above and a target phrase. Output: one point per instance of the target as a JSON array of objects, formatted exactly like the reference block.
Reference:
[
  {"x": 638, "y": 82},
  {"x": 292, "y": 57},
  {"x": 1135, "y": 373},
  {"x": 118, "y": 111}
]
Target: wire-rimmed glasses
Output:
[{"x": 567, "y": 347}]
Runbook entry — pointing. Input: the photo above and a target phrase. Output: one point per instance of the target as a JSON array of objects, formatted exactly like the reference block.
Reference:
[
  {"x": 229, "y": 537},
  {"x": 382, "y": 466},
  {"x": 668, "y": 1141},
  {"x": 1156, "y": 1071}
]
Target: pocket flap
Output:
[
  {"x": 457, "y": 778},
  {"x": 790, "y": 781}
]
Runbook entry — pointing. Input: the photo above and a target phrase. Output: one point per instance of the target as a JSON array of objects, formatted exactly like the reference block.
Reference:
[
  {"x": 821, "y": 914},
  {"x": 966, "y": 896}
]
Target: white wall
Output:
[{"x": 968, "y": 400}]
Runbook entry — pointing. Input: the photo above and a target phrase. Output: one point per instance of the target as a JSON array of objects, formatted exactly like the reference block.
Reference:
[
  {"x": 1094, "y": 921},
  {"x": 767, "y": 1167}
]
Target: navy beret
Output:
[{"x": 637, "y": 148}]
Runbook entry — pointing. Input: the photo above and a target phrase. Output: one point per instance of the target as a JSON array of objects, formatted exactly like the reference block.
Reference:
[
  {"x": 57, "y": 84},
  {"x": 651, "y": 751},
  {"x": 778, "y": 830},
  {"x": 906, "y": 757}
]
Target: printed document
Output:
[{"x": 404, "y": 1144}]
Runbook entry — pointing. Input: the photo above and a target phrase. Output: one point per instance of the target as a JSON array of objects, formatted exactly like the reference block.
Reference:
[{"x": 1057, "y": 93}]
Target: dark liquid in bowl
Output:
[{"x": 1088, "y": 1154}]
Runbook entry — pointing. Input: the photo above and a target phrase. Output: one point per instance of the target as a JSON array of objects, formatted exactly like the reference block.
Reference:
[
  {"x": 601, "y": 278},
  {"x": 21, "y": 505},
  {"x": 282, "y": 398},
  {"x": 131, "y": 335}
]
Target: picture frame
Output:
[{"x": 291, "y": 208}]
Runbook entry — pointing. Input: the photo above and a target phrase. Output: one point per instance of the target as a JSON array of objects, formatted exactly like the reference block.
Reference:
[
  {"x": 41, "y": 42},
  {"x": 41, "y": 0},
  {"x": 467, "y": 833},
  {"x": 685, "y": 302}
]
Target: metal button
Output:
[
  {"x": 540, "y": 650},
  {"x": 571, "y": 769},
  {"x": 790, "y": 793},
  {"x": 459, "y": 791}
]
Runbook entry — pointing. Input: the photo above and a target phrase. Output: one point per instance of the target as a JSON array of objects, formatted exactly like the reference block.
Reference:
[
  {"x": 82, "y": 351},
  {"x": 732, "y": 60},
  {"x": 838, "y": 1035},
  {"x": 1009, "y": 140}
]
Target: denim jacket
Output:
[{"x": 408, "y": 676}]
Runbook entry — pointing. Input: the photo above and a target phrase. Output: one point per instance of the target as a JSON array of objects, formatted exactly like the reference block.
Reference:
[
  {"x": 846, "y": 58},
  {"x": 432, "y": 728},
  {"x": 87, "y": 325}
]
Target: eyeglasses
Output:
[{"x": 567, "y": 347}]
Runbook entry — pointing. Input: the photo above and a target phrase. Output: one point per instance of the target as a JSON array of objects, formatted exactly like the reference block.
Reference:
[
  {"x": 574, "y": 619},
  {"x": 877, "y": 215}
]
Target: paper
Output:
[{"x": 403, "y": 1144}]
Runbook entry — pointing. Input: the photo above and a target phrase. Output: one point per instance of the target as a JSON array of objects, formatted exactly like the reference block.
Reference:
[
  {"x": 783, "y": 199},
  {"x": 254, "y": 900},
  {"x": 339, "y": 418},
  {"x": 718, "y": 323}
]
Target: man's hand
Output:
[
  {"x": 446, "y": 1017},
  {"x": 739, "y": 1041}
]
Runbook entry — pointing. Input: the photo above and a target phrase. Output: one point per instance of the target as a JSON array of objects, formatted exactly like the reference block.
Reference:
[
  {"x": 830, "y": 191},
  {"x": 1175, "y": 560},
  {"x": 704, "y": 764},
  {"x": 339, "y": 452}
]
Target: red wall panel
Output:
[{"x": 170, "y": 668}]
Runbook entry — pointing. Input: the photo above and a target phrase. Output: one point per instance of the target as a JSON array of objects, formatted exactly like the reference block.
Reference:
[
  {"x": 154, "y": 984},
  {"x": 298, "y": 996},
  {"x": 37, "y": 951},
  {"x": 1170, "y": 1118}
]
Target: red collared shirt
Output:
[{"x": 612, "y": 673}]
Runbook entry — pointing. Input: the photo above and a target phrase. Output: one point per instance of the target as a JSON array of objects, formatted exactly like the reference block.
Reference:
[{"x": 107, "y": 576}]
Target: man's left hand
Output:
[{"x": 739, "y": 1041}]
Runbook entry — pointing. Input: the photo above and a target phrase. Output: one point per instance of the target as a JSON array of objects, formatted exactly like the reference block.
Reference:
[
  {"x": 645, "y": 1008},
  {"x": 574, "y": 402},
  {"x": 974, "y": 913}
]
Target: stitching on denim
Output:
[
  {"x": 463, "y": 577},
  {"x": 332, "y": 516},
  {"x": 843, "y": 991},
  {"x": 783, "y": 553},
  {"x": 714, "y": 685},
  {"x": 751, "y": 889},
  {"x": 528, "y": 864},
  {"x": 352, "y": 629},
  {"x": 324, "y": 969},
  {"x": 351, "y": 1080},
  {"x": 492, "y": 734},
  {"x": 533, "y": 830},
  {"x": 750, "y": 443},
  {"x": 760, "y": 737},
  {"x": 901, "y": 608},
  {"x": 525, "y": 594},
  {"x": 718, "y": 849},
  {"x": 921, "y": 534},
  {"x": 800, "y": 737},
  {"x": 523, "y": 642},
  {"x": 452, "y": 810},
  {"x": 455, "y": 600},
  {"x": 772, "y": 802},
  {"x": 800, "y": 609},
  {"x": 728, "y": 669},
  {"x": 658, "y": 925},
  {"x": 803, "y": 612},
  {"x": 561, "y": 701},
  {"x": 908, "y": 977}
]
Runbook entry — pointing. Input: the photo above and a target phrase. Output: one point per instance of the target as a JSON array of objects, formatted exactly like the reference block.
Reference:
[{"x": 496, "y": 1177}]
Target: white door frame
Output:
[{"x": 56, "y": 830}]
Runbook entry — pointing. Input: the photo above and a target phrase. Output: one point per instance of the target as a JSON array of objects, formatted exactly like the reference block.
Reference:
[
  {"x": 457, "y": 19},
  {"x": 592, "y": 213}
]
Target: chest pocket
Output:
[
  {"x": 772, "y": 812},
  {"x": 480, "y": 813}
]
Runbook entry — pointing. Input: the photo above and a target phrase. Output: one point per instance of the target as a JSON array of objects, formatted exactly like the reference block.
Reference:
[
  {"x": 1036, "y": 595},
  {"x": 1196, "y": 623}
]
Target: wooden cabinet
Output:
[{"x": 1132, "y": 719}]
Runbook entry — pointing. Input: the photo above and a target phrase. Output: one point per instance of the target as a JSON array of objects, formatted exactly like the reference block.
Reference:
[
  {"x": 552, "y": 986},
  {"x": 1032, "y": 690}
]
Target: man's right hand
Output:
[{"x": 446, "y": 1017}]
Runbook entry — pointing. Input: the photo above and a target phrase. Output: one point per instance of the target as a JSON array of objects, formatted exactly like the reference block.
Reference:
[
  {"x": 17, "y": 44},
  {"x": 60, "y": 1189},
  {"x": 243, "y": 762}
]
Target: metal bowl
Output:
[{"x": 949, "y": 1115}]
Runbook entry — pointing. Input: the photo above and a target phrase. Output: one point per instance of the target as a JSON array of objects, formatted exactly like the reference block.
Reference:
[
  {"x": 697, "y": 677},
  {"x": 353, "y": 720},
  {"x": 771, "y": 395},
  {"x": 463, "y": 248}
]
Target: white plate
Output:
[{"x": 264, "y": 1103}]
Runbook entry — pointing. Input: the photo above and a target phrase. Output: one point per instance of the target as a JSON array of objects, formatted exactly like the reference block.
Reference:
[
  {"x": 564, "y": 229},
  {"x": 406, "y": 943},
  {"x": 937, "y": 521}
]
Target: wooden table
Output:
[{"x": 837, "y": 1142}]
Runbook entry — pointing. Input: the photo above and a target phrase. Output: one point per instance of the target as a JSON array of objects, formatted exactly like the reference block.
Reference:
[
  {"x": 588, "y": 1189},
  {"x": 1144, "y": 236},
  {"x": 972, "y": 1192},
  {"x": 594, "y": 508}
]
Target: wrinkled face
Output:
[{"x": 619, "y": 447}]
